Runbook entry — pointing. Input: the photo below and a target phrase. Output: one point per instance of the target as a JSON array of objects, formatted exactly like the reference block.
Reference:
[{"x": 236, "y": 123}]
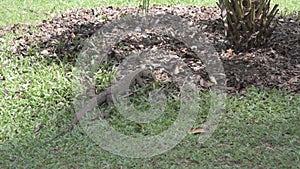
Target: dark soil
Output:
[{"x": 277, "y": 65}]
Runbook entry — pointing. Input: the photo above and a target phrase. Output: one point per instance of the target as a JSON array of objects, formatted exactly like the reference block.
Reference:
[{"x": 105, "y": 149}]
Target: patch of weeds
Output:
[
  {"x": 140, "y": 102},
  {"x": 36, "y": 91},
  {"x": 33, "y": 91},
  {"x": 162, "y": 121},
  {"x": 104, "y": 76},
  {"x": 105, "y": 17}
]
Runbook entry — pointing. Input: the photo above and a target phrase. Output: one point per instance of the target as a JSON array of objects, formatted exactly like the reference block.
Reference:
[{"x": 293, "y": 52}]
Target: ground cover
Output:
[{"x": 258, "y": 130}]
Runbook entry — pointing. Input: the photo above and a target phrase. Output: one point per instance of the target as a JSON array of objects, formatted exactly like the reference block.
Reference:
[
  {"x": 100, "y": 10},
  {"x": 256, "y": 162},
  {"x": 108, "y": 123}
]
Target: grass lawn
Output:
[
  {"x": 29, "y": 11},
  {"x": 259, "y": 130}
]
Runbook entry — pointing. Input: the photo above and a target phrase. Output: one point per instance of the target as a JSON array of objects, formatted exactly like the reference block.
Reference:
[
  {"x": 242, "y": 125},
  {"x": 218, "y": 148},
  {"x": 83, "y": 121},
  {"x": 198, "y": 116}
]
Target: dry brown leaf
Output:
[
  {"x": 197, "y": 131},
  {"x": 73, "y": 36},
  {"x": 184, "y": 49},
  {"x": 247, "y": 54},
  {"x": 39, "y": 128},
  {"x": 229, "y": 52},
  {"x": 45, "y": 52}
]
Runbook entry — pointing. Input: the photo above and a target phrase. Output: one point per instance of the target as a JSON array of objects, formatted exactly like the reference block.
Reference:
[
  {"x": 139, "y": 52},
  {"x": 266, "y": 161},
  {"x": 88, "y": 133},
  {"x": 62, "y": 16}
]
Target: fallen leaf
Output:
[
  {"x": 197, "y": 131},
  {"x": 73, "y": 35},
  {"x": 172, "y": 52},
  {"x": 176, "y": 70},
  {"x": 229, "y": 52},
  {"x": 184, "y": 49},
  {"x": 45, "y": 52},
  {"x": 38, "y": 128},
  {"x": 21, "y": 57}
]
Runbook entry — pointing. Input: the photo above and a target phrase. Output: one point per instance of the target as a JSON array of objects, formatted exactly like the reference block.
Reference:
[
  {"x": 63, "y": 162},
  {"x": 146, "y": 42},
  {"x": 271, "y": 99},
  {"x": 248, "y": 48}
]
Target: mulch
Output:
[{"x": 276, "y": 65}]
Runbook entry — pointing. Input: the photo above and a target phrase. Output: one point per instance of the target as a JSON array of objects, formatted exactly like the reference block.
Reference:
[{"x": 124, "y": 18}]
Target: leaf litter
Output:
[{"x": 276, "y": 65}]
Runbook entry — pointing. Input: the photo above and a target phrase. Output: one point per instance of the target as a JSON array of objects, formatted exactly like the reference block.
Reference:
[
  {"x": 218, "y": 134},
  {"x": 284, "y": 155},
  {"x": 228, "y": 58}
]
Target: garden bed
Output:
[{"x": 277, "y": 65}]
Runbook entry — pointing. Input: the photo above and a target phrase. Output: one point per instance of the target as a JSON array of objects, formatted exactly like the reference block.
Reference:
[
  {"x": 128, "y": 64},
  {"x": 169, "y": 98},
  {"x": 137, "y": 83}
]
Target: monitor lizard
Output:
[{"x": 135, "y": 77}]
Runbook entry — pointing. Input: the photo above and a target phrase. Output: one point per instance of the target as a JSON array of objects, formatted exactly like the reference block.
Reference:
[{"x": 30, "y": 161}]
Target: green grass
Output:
[
  {"x": 30, "y": 11},
  {"x": 260, "y": 130},
  {"x": 257, "y": 131}
]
